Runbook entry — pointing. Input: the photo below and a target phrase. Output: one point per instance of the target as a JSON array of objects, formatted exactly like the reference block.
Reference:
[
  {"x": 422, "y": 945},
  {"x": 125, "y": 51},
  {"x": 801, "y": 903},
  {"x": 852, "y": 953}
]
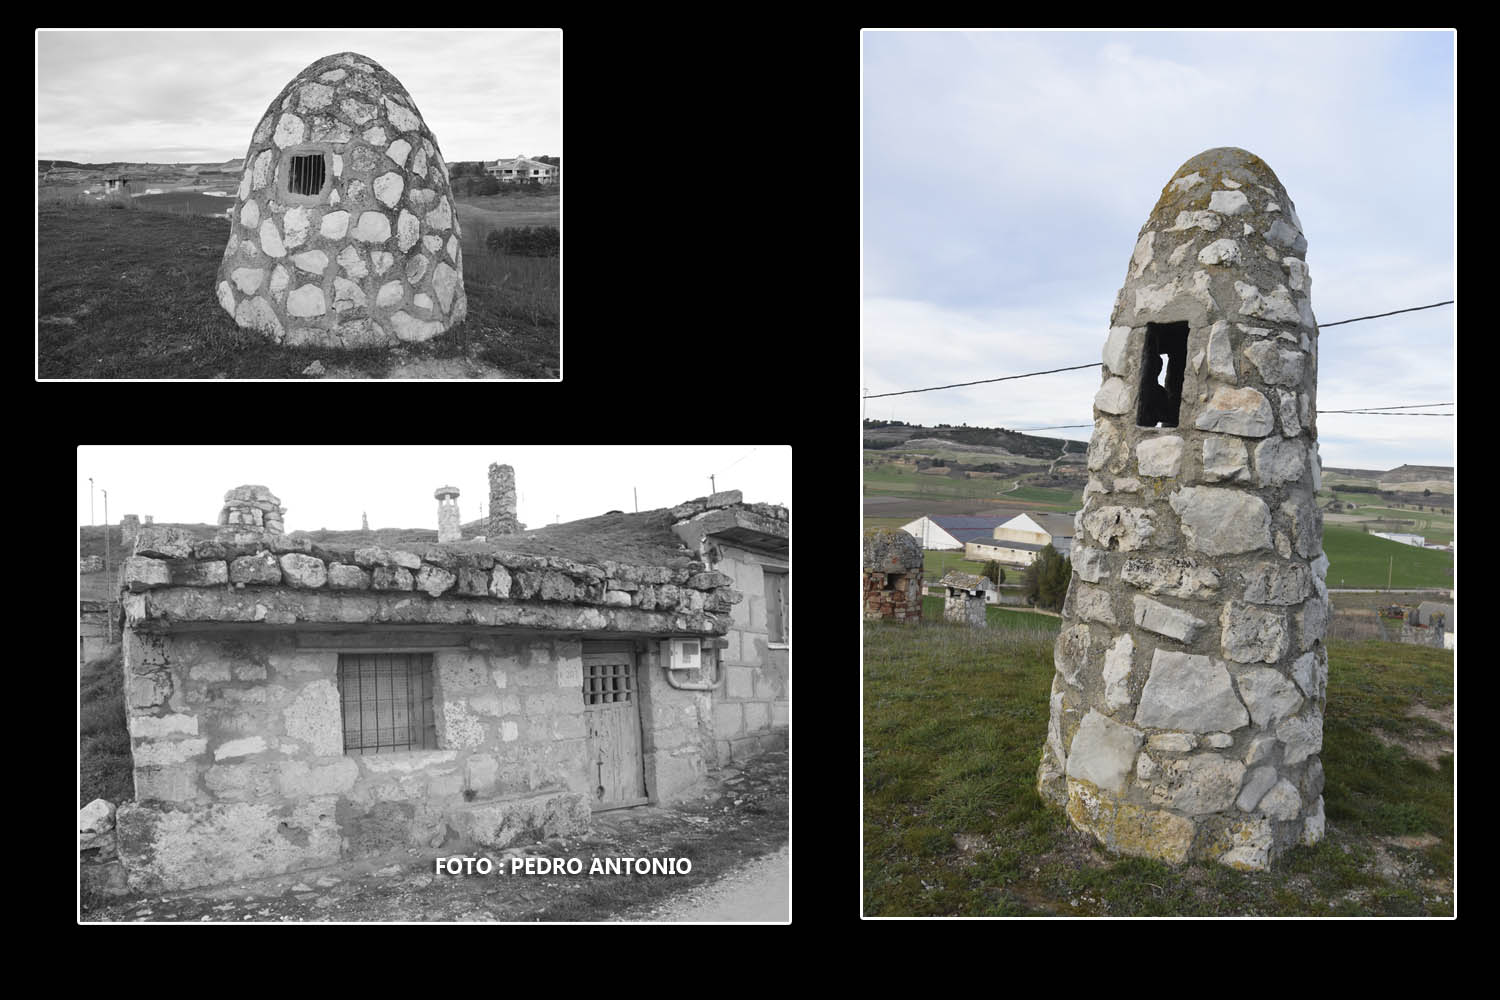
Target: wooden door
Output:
[{"x": 611, "y": 708}]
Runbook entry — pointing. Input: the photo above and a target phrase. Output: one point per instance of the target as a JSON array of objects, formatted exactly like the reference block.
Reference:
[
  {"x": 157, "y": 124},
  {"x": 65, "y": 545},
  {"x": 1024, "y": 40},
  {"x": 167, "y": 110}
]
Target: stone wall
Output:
[
  {"x": 240, "y": 769},
  {"x": 1187, "y": 706},
  {"x": 892, "y": 576},
  {"x": 93, "y": 629},
  {"x": 964, "y": 607},
  {"x": 751, "y": 708}
]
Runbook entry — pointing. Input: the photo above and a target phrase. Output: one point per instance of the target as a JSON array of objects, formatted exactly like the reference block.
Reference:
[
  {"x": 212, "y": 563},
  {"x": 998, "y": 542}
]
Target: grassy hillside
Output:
[
  {"x": 127, "y": 294},
  {"x": 1356, "y": 559},
  {"x": 104, "y": 742},
  {"x": 954, "y": 721}
]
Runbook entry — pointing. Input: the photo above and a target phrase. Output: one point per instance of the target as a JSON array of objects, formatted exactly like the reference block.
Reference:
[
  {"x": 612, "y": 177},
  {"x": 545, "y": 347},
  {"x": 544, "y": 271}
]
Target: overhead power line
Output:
[
  {"x": 1097, "y": 364},
  {"x": 1378, "y": 315}
]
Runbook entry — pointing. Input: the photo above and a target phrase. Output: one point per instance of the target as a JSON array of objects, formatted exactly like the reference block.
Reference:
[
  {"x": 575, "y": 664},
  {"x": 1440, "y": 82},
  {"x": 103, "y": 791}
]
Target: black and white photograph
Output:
[
  {"x": 446, "y": 684},
  {"x": 290, "y": 205}
]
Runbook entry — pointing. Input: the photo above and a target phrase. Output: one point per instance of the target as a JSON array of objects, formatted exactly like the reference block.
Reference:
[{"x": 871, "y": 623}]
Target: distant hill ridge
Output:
[
  {"x": 882, "y": 433},
  {"x": 1400, "y": 474}
]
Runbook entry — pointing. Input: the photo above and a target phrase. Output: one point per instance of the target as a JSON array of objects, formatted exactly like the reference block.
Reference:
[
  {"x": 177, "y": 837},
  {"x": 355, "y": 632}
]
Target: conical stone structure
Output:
[
  {"x": 344, "y": 233},
  {"x": 1187, "y": 707}
]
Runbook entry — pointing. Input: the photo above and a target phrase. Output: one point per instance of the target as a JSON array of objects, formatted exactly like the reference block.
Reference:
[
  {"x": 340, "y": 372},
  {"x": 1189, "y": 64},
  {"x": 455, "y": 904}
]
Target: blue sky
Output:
[
  {"x": 160, "y": 96},
  {"x": 1006, "y": 176}
]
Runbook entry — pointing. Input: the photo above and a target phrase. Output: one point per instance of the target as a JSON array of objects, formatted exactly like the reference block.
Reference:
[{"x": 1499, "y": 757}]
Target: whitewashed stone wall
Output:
[
  {"x": 1187, "y": 707},
  {"x": 374, "y": 259}
]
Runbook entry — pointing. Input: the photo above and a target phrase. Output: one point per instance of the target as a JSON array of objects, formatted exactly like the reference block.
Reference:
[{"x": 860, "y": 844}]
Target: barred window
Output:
[
  {"x": 307, "y": 173},
  {"x": 387, "y": 702}
]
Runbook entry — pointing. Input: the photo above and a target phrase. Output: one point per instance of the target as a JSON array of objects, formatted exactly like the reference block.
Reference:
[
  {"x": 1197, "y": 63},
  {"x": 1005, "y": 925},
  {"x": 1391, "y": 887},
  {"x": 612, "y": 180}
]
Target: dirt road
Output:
[{"x": 758, "y": 890}]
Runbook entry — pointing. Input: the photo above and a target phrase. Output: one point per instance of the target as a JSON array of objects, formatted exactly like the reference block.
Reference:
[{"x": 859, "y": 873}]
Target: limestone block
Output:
[
  {"x": 149, "y": 690},
  {"x": 1269, "y": 695},
  {"x": 1302, "y": 735},
  {"x": 1312, "y": 824},
  {"x": 1153, "y": 833},
  {"x": 1107, "y": 450},
  {"x": 1117, "y": 663},
  {"x": 1173, "y": 742},
  {"x": 302, "y": 571},
  {"x": 1119, "y": 528},
  {"x": 1103, "y": 752},
  {"x": 159, "y": 752},
  {"x": 1219, "y": 741},
  {"x": 1229, "y": 202},
  {"x": 1252, "y": 634},
  {"x": 154, "y": 726},
  {"x": 1160, "y": 456},
  {"x": 1114, "y": 397},
  {"x": 260, "y": 568},
  {"x": 1206, "y": 783},
  {"x": 1252, "y": 839},
  {"x": 1093, "y": 604},
  {"x": 1220, "y": 354},
  {"x": 240, "y": 748},
  {"x": 373, "y": 227},
  {"x": 1165, "y": 620},
  {"x": 140, "y": 573},
  {"x": 1220, "y": 252},
  {"x": 1176, "y": 576},
  {"x": 1189, "y": 692},
  {"x": 1310, "y": 671},
  {"x": 1071, "y": 652},
  {"x": 435, "y": 580},
  {"x": 1116, "y": 356},
  {"x": 315, "y": 717},
  {"x": 1243, "y": 411},
  {"x": 1088, "y": 563},
  {"x": 1222, "y": 521},
  {"x": 344, "y": 577}
]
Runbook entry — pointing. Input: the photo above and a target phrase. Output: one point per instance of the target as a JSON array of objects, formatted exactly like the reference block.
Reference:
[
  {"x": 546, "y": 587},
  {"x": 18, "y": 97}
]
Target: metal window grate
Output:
[
  {"x": 605, "y": 683},
  {"x": 307, "y": 174},
  {"x": 387, "y": 702}
]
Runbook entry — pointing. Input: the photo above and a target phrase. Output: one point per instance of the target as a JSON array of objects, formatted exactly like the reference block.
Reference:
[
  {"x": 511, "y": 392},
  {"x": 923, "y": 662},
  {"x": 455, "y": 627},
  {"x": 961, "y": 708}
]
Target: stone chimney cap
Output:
[{"x": 445, "y": 491}]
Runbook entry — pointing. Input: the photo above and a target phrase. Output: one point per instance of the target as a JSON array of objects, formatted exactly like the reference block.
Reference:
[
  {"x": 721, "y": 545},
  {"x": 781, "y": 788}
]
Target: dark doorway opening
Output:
[{"x": 1162, "y": 367}]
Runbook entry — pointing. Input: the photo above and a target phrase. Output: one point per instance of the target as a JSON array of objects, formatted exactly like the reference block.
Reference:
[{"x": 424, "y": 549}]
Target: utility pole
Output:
[
  {"x": 1388, "y": 566},
  {"x": 91, "y": 501},
  {"x": 109, "y": 635},
  {"x": 711, "y": 487},
  {"x": 634, "y": 493}
]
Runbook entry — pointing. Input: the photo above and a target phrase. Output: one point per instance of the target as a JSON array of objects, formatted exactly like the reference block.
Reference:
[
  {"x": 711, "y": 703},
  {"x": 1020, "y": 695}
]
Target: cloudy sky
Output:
[
  {"x": 329, "y": 487},
  {"x": 1006, "y": 176},
  {"x": 196, "y": 96}
]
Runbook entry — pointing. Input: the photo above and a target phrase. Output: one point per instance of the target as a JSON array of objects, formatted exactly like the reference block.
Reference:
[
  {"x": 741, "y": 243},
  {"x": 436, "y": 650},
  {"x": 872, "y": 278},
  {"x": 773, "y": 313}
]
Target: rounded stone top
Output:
[
  {"x": 443, "y": 492},
  {"x": 1215, "y": 180},
  {"x": 892, "y": 551},
  {"x": 250, "y": 493}
]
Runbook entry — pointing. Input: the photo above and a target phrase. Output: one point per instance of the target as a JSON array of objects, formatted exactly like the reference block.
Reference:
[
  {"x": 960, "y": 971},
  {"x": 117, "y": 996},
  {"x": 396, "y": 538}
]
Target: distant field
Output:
[
  {"x": 996, "y": 617},
  {"x": 903, "y": 481},
  {"x": 477, "y": 216},
  {"x": 1069, "y": 500},
  {"x": 186, "y": 202},
  {"x": 1360, "y": 560}
]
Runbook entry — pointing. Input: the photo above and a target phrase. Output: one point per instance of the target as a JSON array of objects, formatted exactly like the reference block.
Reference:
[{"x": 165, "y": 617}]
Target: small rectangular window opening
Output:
[
  {"x": 387, "y": 703},
  {"x": 1162, "y": 367},
  {"x": 306, "y": 174}
]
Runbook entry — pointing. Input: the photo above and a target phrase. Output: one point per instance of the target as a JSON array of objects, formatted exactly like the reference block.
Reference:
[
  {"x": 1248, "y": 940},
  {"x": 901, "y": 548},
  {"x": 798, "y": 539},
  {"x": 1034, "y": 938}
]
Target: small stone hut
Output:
[
  {"x": 968, "y": 594},
  {"x": 1187, "y": 706},
  {"x": 892, "y": 576},
  {"x": 292, "y": 705},
  {"x": 344, "y": 233}
]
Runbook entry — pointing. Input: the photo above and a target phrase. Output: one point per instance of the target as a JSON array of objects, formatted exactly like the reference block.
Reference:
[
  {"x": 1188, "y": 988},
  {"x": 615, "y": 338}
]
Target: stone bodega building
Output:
[{"x": 292, "y": 705}]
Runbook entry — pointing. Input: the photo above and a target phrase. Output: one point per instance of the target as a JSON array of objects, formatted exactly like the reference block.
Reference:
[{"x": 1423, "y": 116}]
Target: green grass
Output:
[
  {"x": 887, "y": 480},
  {"x": 937, "y": 562},
  {"x": 1017, "y": 623},
  {"x": 1434, "y": 527},
  {"x": 103, "y": 740},
  {"x": 131, "y": 294},
  {"x": 954, "y": 722},
  {"x": 1359, "y": 560},
  {"x": 1069, "y": 500}
]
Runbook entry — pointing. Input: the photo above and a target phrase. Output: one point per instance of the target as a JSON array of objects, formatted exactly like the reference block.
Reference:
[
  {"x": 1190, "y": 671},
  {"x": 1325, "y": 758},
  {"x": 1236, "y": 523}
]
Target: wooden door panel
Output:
[{"x": 614, "y": 728}]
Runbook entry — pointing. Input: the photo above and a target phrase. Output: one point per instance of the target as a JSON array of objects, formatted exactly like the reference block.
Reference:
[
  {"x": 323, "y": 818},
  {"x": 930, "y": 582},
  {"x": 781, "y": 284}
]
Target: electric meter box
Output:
[{"x": 682, "y": 654}]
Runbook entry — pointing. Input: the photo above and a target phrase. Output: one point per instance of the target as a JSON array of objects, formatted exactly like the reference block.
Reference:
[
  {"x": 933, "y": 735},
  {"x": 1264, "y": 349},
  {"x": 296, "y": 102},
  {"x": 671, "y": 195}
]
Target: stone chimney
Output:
[
  {"x": 130, "y": 528},
  {"x": 1187, "y": 707},
  {"x": 503, "y": 502},
  {"x": 250, "y": 514},
  {"x": 892, "y": 576},
  {"x": 448, "y": 529}
]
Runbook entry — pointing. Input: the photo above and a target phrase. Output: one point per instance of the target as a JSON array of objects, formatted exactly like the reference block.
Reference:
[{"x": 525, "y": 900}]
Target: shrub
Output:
[
  {"x": 994, "y": 572},
  {"x": 1045, "y": 582}
]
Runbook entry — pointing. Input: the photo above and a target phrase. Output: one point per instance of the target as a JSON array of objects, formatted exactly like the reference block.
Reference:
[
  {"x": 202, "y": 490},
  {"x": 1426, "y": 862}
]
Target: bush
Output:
[
  {"x": 526, "y": 241},
  {"x": 994, "y": 572},
  {"x": 1045, "y": 582}
]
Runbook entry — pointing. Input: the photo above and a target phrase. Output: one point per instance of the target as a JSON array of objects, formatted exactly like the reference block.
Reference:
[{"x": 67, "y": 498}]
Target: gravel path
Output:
[{"x": 757, "y": 890}]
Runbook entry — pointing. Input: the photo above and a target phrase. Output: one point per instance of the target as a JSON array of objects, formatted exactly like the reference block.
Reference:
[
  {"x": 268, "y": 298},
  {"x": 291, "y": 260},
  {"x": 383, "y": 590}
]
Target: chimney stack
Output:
[
  {"x": 503, "y": 502},
  {"x": 448, "y": 529}
]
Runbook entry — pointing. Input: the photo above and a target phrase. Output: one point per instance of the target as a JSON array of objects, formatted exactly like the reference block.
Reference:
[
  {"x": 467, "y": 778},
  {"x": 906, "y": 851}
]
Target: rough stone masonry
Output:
[
  {"x": 1187, "y": 706},
  {"x": 344, "y": 232}
]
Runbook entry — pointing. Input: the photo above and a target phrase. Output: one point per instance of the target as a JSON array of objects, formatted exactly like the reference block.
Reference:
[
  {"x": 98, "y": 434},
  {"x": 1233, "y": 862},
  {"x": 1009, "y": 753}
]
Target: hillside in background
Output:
[{"x": 882, "y": 434}]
